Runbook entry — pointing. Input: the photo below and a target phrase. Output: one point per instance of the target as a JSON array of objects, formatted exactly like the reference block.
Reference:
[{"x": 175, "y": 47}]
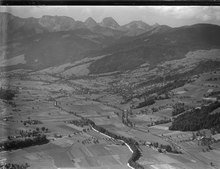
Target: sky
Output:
[{"x": 173, "y": 16}]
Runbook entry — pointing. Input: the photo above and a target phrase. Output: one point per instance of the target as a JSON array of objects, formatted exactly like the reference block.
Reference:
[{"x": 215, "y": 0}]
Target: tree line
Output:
[
  {"x": 197, "y": 119},
  {"x": 15, "y": 166},
  {"x": 178, "y": 108},
  {"x": 159, "y": 91},
  {"x": 7, "y": 94},
  {"x": 166, "y": 88},
  {"x": 147, "y": 102},
  {"x": 22, "y": 143}
]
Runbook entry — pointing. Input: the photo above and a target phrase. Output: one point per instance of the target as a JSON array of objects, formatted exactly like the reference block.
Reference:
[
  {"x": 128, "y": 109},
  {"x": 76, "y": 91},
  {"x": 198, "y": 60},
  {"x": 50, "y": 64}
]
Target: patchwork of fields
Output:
[{"x": 58, "y": 105}]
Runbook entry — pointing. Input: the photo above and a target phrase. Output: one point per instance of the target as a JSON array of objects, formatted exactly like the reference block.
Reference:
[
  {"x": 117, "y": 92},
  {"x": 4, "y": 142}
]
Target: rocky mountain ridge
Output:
[{"x": 17, "y": 25}]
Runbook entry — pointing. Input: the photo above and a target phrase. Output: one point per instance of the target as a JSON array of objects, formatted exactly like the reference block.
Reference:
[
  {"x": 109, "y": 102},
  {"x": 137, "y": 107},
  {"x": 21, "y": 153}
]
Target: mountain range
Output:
[
  {"x": 17, "y": 26},
  {"x": 38, "y": 43}
]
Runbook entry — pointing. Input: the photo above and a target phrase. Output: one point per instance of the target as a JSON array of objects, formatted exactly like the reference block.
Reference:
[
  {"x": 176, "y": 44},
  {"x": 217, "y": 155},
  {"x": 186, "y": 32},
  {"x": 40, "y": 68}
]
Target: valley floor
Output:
[{"x": 56, "y": 103}]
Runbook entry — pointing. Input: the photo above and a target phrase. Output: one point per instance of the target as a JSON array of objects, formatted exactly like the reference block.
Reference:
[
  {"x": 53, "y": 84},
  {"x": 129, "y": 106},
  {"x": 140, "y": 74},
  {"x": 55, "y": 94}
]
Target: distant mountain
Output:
[
  {"x": 109, "y": 22},
  {"x": 90, "y": 23},
  {"x": 17, "y": 27},
  {"x": 158, "y": 29},
  {"x": 57, "y": 23},
  {"x": 60, "y": 23},
  {"x": 155, "y": 25},
  {"x": 12, "y": 27},
  {"x": 135, "y": 28}
]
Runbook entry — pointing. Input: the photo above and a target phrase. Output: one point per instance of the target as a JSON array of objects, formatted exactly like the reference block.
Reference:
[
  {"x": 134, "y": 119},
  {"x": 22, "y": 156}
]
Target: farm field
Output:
[{"x": 56, "y": 108}]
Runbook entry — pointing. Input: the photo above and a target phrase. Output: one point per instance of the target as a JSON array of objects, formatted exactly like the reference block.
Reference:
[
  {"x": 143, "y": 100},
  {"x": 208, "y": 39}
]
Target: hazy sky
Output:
[{"x": 168, "y": 15}]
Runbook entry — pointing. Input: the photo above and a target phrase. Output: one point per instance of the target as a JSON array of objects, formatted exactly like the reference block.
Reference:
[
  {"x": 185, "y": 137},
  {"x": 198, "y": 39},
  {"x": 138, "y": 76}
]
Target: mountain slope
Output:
[
  {"x": 135, "y": 28},
  {"x": 54, "y": 40},
  {"x": 90, "y": 23},
  {"x": 20, "y": 28},
  {"x": 55, "y": 48},
  {"x": 109, "y": 22},
  {"x": 169, "y": 44},
  {"x": 49, "y": 40}
]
